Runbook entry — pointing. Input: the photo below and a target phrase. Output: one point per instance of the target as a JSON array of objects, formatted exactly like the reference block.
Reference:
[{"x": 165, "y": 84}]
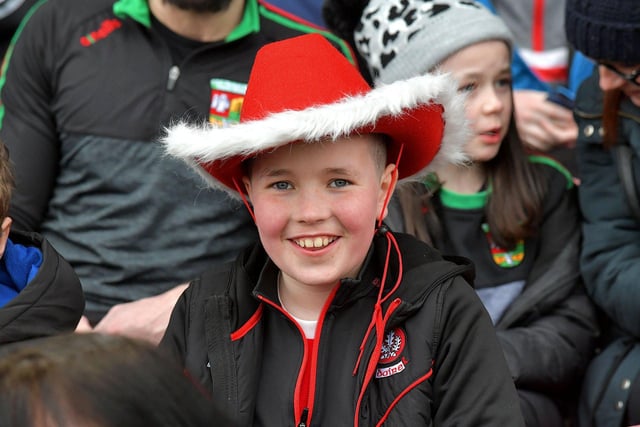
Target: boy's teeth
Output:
[{"x": 317, "y": 242}]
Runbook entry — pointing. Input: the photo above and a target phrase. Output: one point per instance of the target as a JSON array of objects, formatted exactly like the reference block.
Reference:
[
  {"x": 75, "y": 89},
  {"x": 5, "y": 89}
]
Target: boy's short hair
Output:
[
  {"x": 7, "y": 181},
  {"x": 378, "y": 151}
]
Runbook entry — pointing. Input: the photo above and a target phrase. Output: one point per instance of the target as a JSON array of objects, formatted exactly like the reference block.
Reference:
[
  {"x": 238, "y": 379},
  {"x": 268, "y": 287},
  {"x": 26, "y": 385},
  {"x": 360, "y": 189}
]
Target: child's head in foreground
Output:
[
  {"x": 96, "y": 380},
  {"x": 318, "y": 153}
]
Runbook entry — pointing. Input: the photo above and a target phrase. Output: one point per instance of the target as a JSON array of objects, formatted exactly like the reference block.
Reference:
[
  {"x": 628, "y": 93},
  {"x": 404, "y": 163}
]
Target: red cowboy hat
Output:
[{"x": 304, "y": 89}]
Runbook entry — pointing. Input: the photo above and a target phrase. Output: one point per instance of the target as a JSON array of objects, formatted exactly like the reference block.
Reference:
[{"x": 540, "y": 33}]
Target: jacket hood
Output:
[{"x": 51, "y": 303}]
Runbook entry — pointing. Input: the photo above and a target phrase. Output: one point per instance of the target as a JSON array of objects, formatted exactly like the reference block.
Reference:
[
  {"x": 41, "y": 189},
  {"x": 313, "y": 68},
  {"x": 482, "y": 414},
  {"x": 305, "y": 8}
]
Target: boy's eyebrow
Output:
[
  {"x": 273, "y": 173},
  {"x": 340, "y": 171},
  {"x": 270, "y": 173}
]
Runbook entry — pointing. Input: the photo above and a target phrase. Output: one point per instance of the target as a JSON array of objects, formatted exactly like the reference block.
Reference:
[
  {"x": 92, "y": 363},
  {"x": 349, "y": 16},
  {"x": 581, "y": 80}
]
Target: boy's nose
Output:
[{"x": 311, "y": 206}]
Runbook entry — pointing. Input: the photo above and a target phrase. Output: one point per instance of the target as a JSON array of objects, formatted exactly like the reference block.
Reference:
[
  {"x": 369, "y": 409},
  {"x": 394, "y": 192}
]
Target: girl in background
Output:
[{"x": 513, "y": 214}]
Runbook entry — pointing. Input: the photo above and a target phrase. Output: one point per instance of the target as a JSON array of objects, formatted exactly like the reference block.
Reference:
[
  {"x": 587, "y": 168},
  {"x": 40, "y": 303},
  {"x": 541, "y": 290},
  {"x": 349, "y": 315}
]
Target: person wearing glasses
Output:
[{"x": 608, "y": 115}]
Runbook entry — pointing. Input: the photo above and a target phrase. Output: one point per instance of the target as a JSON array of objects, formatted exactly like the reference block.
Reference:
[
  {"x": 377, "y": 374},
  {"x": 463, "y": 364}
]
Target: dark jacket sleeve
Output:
[
  {"x": 548, "y": 334},
  {"x": 27, "y": 124},
  {"x": 552, "y": 353},
  {"x": 610, "y": 259},
  {"x": 472, "y": 385},
  {"x": 187, "y": 336},
  {"x": 173, "y": 342}
]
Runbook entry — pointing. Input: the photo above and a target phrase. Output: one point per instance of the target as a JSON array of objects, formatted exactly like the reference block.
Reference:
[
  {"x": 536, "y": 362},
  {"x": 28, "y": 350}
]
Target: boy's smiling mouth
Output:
[{"x": 315, "y": 242}]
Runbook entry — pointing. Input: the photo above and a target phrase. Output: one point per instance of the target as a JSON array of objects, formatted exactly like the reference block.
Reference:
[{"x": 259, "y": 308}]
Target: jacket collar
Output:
[{"x": 421, "y": 266}]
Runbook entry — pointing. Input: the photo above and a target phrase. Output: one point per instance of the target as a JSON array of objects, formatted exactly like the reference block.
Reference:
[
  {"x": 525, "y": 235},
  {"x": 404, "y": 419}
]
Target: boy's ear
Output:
[
  {"x": 388, "y": 183},
  {"x": 247, "y": 185},
  {"x": 5, "y": 228}
]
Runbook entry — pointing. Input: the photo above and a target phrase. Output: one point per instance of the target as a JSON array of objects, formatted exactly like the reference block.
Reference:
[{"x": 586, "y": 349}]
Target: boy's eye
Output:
[
  {"x": 337, "y": 183},
  {"x": 281, "y": 185}
]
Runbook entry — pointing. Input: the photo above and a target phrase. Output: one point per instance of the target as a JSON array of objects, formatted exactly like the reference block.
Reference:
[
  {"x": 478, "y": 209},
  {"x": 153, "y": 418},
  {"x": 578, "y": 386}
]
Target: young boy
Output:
[
  {"x": 40, "y": 294},
  {"x": 333, "y": 319}
]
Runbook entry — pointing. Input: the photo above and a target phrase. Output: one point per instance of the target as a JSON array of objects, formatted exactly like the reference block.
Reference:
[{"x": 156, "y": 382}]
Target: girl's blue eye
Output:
[{"x": 469, "y": 87}]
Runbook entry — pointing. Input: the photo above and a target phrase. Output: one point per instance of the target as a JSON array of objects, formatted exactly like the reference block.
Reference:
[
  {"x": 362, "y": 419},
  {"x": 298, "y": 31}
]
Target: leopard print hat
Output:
[{"x": 405, "y": 38}]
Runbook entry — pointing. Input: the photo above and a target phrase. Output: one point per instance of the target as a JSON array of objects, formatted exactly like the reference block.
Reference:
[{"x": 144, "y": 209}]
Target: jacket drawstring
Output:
[{"x": 378, "y": 318}]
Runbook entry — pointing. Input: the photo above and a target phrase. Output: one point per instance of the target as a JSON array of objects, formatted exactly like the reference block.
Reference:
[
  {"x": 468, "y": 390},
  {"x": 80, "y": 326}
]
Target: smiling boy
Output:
[
  {"x": 314, "y": 218},
  {"x": 333, "y": 319}
]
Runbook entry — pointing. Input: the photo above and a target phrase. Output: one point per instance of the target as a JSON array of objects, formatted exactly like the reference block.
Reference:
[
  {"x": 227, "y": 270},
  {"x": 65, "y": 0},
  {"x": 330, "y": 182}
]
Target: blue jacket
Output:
[{"x": 18, "y": 266}]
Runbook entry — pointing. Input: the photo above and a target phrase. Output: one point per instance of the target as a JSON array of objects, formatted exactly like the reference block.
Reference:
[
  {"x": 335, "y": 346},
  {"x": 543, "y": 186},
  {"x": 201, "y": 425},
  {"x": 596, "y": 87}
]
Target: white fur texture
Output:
[{"x": 205, "y": 143}]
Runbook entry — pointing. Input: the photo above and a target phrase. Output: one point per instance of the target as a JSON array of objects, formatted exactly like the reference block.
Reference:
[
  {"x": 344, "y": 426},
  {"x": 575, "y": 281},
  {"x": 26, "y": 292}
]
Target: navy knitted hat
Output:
[{"x": 606, "y": 30}]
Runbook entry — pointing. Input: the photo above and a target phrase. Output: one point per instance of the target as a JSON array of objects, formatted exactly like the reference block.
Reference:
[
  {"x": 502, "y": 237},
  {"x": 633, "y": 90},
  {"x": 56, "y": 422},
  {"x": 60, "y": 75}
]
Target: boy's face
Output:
[{"x": 316, "y": 206}]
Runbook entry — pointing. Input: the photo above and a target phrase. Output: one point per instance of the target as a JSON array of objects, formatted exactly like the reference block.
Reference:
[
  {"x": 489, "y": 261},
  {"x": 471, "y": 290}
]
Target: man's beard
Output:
[{"x": 200, "y": 5}]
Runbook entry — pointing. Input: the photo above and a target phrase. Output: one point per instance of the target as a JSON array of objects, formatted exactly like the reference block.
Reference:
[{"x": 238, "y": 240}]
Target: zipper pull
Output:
[
  {"x": 303, "y": 418},
  {"x": 174, "y": 74}
]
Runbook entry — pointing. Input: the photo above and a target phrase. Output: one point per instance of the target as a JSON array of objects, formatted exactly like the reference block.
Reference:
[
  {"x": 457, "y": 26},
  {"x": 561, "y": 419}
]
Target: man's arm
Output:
[{"x": 146, "y": 318}]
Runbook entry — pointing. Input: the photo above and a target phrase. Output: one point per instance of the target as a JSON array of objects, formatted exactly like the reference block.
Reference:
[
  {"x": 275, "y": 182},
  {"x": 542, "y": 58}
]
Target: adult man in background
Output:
[{"x": 86, "y": 90}]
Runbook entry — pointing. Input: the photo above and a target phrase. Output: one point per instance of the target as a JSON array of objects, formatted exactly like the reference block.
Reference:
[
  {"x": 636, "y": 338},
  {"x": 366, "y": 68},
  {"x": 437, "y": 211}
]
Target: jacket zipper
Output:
[
  {"x": 623, "y": 114},
  {"x": 174, "y": 74},
  {"x": 303, "y": 418},
  {"x": 174, "y": 71}
]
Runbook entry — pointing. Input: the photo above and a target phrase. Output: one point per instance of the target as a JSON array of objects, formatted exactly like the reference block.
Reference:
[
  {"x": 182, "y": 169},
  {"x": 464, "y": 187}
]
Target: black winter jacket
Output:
[
  {"x": 431, "y": 359},
  {"x": 610, "y": 260}
]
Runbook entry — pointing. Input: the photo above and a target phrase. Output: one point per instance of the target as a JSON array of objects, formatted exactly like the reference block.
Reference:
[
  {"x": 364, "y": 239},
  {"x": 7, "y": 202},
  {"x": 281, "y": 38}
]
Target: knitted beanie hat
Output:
[
  {"x": 406, "y": 38},
  {"x": 605, "y": 29}
]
